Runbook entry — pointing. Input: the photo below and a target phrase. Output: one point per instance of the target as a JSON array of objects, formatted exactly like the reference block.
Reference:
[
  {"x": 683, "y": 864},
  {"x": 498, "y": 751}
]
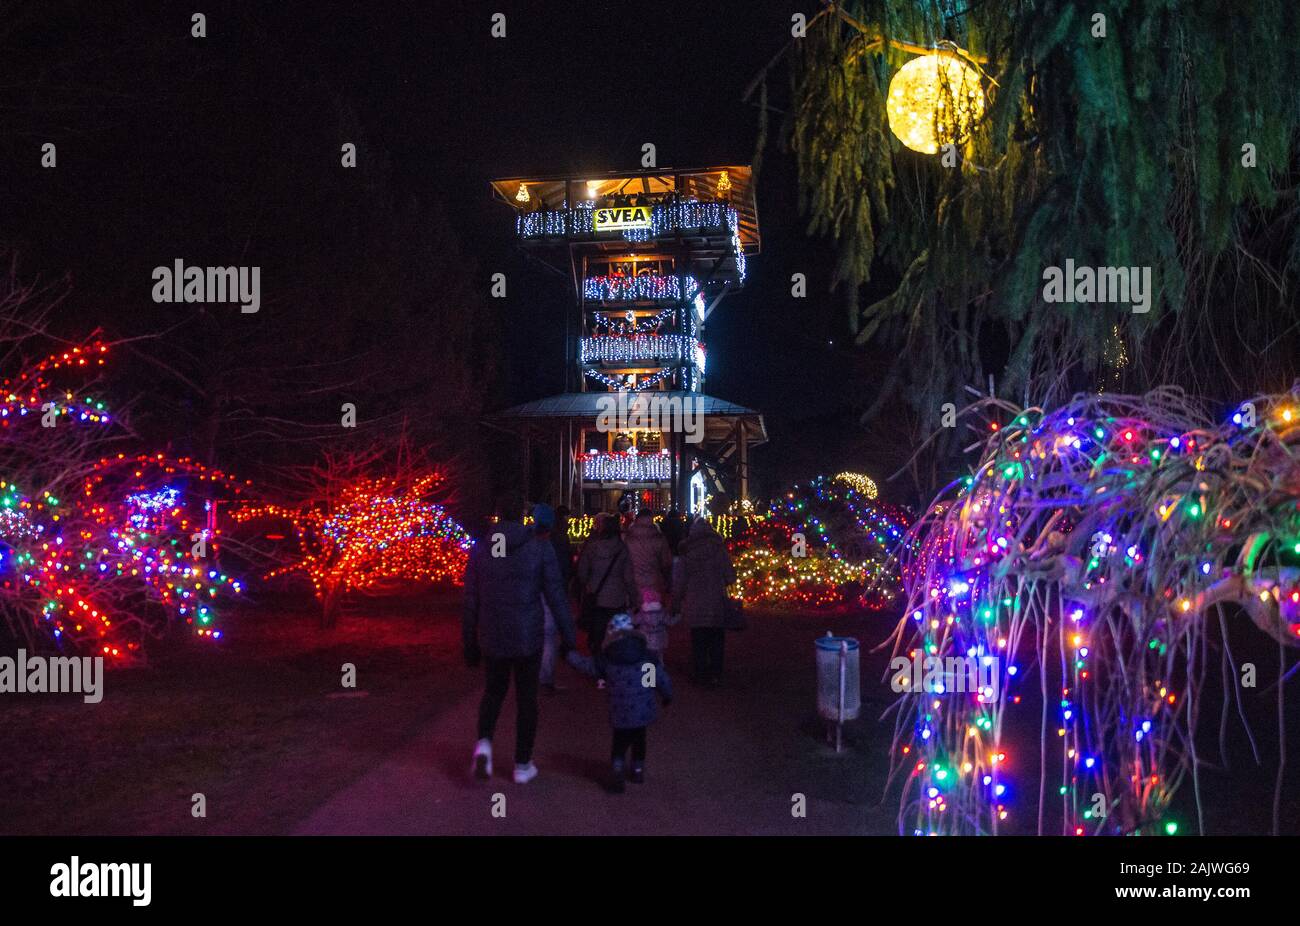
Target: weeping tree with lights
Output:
[
  {"x": 1093, "y": 559},
  {"x": 354, "y": 531},
  {"x": 1143, "y": 134},
  {"x": 828, "y": 543},
  {"x": 100, "y": 551}
]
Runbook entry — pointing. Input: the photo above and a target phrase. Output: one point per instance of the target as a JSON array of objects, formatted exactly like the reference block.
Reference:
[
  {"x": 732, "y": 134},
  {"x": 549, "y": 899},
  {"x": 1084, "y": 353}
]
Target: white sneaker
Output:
[
  {"x": 525, "y": 773},
  {"x": 482, "y": 759}
]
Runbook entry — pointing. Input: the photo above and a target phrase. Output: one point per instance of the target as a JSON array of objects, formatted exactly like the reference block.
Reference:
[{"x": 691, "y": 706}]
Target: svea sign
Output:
[{"x": 621, "y": 217}]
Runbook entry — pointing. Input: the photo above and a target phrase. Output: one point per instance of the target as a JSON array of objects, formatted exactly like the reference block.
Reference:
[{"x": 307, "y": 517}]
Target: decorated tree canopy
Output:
[
  {"x": 1083, "y": 564},
  {"x": 824, "y": 544},
  {"x": 98, "y": 553},
  {"x": 372, "y": 530}
]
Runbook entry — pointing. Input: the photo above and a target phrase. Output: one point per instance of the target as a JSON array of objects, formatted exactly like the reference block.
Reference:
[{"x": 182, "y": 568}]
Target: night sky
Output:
[{"x": 166, "y": 143}]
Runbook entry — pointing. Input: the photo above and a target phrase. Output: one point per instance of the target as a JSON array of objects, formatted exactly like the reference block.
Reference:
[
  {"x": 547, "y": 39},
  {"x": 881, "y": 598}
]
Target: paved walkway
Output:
[{"x": 724, "y": 761}]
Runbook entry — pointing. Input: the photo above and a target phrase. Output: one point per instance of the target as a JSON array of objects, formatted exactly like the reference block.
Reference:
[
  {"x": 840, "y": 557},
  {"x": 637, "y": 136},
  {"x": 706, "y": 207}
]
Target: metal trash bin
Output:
[{"x": 838, "y": 692}]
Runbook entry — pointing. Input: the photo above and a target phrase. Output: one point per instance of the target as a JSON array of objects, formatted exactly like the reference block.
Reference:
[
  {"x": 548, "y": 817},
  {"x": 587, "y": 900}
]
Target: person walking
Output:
[
  {"x": 605, "y": 572},
  {"x": 510, "y": 573},
  {"x": 652, "y": 563},
  {"x": 673, "y": 529},
  {"x": 652, "y": 560},
  {"x": 702, "y": 573},
  {"x": 637, "y": 681},
  {"x": 552, "y": 525},
  {"x": 543, "y": 528}
]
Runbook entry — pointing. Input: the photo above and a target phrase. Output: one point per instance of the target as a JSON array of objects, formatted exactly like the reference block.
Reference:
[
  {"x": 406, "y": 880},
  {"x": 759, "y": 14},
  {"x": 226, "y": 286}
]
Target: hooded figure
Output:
[
  {"x": 652, "y": 560},
  {"x": 701, "y": 577},
  {"x": 637, "y": 682},
  {"x": 634, "y": 674}
]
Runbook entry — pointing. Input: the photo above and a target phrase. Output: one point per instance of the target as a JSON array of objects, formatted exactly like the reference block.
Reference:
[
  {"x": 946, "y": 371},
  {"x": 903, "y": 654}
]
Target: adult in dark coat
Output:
[
  {"x": 510, "y": 572},
  {"x": 673, "y": 529},
  {"x": 701, "y": 574}
]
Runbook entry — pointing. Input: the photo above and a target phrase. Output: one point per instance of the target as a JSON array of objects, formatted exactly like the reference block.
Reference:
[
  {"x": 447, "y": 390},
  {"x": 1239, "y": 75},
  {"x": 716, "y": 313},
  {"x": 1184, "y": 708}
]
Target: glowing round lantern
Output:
[{"x": 934, "y": 100}]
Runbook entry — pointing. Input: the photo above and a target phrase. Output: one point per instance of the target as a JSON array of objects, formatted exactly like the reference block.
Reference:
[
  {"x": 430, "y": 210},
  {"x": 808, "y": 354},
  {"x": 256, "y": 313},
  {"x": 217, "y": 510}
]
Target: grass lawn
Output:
[{"x": 256, "y": 709}]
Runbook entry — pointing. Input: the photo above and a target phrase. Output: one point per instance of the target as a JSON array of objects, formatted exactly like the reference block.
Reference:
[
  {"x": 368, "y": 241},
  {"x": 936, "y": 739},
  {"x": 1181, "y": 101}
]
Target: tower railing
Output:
[
  {"x": 626, "y": 466},
  {"x": 638, "y": 348}
]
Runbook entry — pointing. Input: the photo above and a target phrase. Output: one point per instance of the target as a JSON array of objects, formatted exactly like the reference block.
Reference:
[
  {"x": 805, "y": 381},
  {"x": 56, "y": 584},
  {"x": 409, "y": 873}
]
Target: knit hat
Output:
[
  {"x": 619, "y": 623},
  {"x": 543, "y": 516}
]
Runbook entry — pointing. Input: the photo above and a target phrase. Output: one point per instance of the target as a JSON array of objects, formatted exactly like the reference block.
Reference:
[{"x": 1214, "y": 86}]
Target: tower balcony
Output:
[
  {"x": 706, "y": 227},
  {"x": 626, "y": 466},
  {"x": 644, "y": 287},
  {"x": 632, "y": 348}
]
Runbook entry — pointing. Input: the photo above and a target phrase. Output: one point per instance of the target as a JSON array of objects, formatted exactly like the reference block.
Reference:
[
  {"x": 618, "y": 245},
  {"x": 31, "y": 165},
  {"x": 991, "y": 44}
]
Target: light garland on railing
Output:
[
  {"x": 622, "y": 288},
  {"x": 645, "y": 326},
  {"x": 617, "y": 386},
  {"x": 665, "y": 218},
  {"x": 627, "y": 466},
  {"x": 632, "y": 348}
]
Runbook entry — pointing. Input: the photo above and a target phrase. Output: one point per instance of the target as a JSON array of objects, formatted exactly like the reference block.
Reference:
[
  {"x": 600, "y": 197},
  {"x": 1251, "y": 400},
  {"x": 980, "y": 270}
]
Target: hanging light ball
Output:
[{"x": 934, "y": 100}]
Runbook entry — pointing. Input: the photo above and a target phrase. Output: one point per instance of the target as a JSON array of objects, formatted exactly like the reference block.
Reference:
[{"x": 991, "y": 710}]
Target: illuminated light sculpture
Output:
[
  {"x": 375, "y": 530},
  {"x": 523, "y": 196},
  {"x": 724, "y": 185},
  {"x": 1090, "y": 553},
  {"x": 859, "y": 483},
  {"x": 934, "y": 100},
  {"x": 847, "y": 557}
]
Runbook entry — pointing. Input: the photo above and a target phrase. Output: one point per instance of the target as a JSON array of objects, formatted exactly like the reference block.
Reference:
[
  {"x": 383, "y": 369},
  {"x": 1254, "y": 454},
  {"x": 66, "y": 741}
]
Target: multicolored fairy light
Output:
[
  {"x": 824, "y": 544},
  {"x": 99, "y": 556},
  {"x": 1094, "y": 543}
]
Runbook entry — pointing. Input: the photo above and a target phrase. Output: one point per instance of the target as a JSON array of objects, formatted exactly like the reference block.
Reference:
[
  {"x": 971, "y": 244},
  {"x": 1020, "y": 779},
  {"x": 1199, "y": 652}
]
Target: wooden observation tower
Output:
[{"x": 651, "y": 255}]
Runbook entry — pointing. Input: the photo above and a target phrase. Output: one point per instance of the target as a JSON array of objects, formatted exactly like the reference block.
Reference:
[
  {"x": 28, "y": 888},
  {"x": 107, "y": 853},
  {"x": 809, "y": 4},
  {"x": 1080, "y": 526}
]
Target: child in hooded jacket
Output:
[{"x": 636, "y": 682}]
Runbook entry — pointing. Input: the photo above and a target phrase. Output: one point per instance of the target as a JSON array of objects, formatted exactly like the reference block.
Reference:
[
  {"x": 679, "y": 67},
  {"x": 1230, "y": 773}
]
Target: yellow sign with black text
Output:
[{"x": 620, "y": 218}]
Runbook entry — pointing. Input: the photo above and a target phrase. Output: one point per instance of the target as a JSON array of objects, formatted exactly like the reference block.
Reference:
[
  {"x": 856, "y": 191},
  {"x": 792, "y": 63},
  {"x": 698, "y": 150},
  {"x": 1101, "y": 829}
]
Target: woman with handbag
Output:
[
  {"x": 702, "y": 574},
  {"x": 608, "y": 582}
]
